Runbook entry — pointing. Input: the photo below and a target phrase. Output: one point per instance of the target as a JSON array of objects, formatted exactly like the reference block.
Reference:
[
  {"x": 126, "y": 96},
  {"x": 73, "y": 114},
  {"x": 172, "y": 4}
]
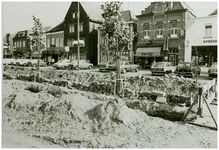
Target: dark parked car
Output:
[{"x": 187, "y": 69}]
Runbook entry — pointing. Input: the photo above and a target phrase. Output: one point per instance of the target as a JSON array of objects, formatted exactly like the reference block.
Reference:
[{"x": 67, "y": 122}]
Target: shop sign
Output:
[
  {"x": 147, "y": 54},
  {"x": 209, "y": 41}
]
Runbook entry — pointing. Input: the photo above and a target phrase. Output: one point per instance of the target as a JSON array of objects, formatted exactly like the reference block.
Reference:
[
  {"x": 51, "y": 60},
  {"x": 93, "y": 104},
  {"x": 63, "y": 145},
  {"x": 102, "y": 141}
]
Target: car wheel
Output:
[
  {"x": 136, "y": 70},
  {"x": 89, "y": 67},
  {"x": 123, "y": 71}
]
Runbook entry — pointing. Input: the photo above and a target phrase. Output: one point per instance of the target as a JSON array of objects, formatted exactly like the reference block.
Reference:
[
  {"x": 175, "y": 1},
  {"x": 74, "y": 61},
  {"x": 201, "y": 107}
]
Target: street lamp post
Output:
[{"x": 78, "y": 36}]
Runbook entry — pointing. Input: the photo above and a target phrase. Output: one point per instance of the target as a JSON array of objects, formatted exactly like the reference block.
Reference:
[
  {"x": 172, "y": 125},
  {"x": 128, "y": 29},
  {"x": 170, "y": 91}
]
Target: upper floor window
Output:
[
  {"x": 53, "y": 41},
  {"x": 81, "y": 26},
  {"x": 74, "y": 15},
  {"x": 23, "y": 43},
  {"x": 71, "y": 28},
  {"x": 173, "y": 29},
  {"x": 57, "y": 42},
  {"x": 159, "y": 30},
  {"x": 48, "y": 42},
  {"x": 15, "y": 44},
  {"x": 146, "y": 31},
  {"x": 208, "y": 30}
]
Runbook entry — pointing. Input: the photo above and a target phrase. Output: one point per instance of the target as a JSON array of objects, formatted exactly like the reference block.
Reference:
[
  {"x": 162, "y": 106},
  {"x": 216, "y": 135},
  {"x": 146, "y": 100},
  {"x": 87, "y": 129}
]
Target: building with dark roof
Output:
[
  {"x": 89, "y": 20},
  {"x": 161, "y": 32}
]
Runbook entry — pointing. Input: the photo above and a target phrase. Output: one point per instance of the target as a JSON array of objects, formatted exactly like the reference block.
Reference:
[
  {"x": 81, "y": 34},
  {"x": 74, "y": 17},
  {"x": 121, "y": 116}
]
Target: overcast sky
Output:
[{"x": 17, "y": 16}]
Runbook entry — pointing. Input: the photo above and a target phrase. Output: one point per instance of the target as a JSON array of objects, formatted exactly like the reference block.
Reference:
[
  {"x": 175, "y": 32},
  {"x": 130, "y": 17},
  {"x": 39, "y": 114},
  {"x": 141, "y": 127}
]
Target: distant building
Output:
[
  {"x": 201, "y": 40},
  {"x": 130, "y": 20},
  {"x": 161, "y": 32},
  {"x": 89, "y": 20},
  {"x": 8, "y": 45},
  {"x": 55, "y": 48},
  {"x": 22, "y": 44}
]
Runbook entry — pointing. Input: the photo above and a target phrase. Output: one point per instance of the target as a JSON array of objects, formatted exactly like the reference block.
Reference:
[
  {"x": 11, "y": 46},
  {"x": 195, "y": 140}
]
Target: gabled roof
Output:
[
  {"x": 59, "y": 27},
  {"x": 21, "y": 34},
  {"x": 186, "y": 6},
  {"x": 176, "y": 6},
  {"x": 93, "y": 10},
  {"x": 213, "y": 13},
  {"x": 128, "y": 15}
]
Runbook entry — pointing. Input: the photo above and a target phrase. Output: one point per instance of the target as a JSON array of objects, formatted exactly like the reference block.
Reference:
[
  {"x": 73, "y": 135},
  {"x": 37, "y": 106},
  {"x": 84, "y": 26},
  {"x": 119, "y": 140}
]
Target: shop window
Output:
[
  {"x": 71, "y": 28},
  {"x": 208, "y": 30},
  {"x": 173, "y": 29},
  {"x": 159, "y": 30},
  {"x": 146, "y": 31}
]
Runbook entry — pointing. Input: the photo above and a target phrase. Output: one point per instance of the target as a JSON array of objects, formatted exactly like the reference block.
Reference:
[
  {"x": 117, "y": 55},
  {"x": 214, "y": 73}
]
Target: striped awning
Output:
[{"x": 148, "y": 52}]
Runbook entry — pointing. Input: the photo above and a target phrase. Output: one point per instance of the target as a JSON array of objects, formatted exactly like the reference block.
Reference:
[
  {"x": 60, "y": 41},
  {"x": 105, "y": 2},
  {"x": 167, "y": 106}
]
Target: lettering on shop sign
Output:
[
  {"x": 147, "y": 54},
  {"x": 209, "y": 41}
]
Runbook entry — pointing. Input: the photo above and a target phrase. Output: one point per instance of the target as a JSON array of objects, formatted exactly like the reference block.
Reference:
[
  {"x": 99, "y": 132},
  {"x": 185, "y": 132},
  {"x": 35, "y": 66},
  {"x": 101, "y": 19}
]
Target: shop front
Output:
[
  {"x": 201, "y": 41},
  {"x": 146, "y": 56}
]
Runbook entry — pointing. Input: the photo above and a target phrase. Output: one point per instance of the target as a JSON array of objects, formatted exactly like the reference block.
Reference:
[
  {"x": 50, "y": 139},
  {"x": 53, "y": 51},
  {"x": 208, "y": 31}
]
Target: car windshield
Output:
[
  {"x": 184, "y": 65},
  {"x": 159, "y": 65},
  {"x": 60, "y": 61},
  {"x": 214, "y": 65}
]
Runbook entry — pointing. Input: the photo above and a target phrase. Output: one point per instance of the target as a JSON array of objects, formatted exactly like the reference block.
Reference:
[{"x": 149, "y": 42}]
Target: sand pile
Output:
[{"x": 115, "y": 112}]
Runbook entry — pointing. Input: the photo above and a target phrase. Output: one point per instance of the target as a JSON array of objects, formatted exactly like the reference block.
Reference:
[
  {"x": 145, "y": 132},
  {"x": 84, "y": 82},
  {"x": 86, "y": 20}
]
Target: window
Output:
[
  {"x": 81, "y": 27},
  {"x": 53, "y": 41},
  {"x": 57, "y": 42},
  {"x": 20, "y": 44},
  {"x": 15, "y": 44},
  {"x": 160, "y": 30},
  {"x": 48, "y": 42},
  {"x": 61, "y": 41},
  {"x": 71, "y": 28},
  {"x": 23, "y": 43},
  {"x": 74, "y": 15},
  {"x": 173, "y": 29},
  {"x": 146, "y": 31},
  {"x": 208, "y": 30}
]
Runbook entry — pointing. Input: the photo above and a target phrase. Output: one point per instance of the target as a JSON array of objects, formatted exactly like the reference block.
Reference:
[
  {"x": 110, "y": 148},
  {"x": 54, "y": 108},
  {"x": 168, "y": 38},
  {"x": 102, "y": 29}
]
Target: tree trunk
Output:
[{"x": 38, "y": 66}]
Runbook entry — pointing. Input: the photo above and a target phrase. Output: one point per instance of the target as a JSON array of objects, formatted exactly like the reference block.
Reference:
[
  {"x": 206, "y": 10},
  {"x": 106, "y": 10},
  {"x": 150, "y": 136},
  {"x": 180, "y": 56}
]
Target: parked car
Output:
[
  {"x": 212, "y": 71},
  {"x": 162, "y": 68},
  {"x": 124, "y": 67},
  {"x": 22, "y": 62},
  {"x": 7, "y": 61},
  {"x": 62, "y": 64},
  {"x": 83, "y": 64},
  {"x": 34, "y": 63},
  {"x": 187, "y": 69}
]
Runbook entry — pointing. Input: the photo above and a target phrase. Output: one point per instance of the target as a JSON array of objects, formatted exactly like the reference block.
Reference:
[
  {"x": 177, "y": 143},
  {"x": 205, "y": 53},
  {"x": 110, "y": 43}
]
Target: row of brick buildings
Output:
[{"x": 164, "y": 31}]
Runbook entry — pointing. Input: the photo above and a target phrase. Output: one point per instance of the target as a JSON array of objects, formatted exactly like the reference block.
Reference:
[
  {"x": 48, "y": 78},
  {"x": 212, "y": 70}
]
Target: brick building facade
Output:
[{"x": 161, "y": 32}]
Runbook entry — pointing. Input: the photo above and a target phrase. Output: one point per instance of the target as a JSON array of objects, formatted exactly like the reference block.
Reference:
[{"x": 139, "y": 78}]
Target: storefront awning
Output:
[{"x": 148, "y": 52}]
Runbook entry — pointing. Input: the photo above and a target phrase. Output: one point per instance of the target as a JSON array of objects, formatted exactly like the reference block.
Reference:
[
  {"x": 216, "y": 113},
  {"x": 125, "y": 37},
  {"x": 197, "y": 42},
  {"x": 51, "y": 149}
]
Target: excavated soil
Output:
[{"x": 79, "y": 119}]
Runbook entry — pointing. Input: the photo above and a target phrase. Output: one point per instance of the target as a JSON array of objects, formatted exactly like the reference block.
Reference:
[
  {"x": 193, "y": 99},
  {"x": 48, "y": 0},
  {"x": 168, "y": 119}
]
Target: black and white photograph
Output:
[{"x": 109, "y": 74}]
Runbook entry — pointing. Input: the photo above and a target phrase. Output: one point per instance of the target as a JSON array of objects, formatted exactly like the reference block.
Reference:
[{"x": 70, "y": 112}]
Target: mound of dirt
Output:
[{"x": 106, "y": 114}]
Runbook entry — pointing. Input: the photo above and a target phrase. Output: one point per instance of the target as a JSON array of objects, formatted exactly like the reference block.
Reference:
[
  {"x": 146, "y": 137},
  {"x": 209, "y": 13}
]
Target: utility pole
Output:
[{"x": 78, "y": 36}]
